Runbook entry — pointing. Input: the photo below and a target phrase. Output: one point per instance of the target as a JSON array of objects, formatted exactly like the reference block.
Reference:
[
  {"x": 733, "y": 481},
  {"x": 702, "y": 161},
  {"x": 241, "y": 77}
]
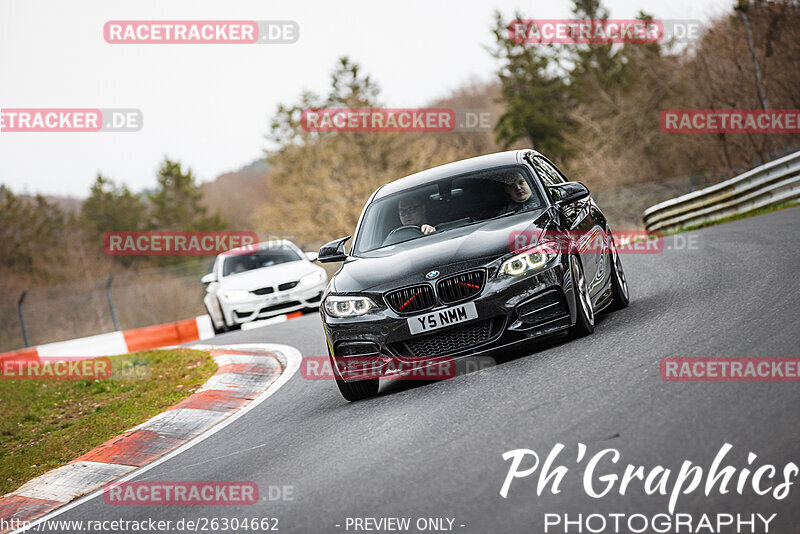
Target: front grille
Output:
[
  {"x": 287, "y": 285},
  {"x": 264, "y": 291},
  {"x": 411, "y": 299},
  {"x": 460, "y": 287},
  {"x": 280, "y": 306},
  {"x": 446, "y": 342}
]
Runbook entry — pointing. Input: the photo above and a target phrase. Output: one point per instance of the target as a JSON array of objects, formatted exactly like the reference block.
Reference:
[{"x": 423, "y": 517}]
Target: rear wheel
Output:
[
  {"x": 619, "y": 285},
  {"x": 584, "y": 311},
  {"x": 355, "y": 390}
]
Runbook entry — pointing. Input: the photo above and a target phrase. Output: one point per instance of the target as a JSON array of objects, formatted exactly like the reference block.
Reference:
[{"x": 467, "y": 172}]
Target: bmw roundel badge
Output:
[{"x": 431, "y": 275}]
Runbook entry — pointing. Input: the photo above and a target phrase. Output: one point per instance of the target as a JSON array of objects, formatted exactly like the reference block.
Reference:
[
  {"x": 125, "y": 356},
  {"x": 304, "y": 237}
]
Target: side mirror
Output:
[
  {"x": 568, "y": 192},
  {"x": 333, "y": 251},
  {"x": 312, "y": 256},
  {"x": 210, "y": 277}
]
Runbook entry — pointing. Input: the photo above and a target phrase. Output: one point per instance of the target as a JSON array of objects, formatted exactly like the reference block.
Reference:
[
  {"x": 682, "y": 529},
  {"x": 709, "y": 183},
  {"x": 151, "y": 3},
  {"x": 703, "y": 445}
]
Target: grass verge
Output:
[{"x": 48, "y": 423}]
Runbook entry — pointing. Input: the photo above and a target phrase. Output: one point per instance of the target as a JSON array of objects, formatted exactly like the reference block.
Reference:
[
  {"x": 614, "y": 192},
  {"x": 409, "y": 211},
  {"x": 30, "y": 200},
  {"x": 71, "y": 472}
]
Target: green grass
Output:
[{"x": 48, "y": 423}]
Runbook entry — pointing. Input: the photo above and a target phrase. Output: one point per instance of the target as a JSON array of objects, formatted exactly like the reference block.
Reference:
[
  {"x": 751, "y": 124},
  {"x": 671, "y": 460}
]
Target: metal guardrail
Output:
[{"x": 770, "y": 184}]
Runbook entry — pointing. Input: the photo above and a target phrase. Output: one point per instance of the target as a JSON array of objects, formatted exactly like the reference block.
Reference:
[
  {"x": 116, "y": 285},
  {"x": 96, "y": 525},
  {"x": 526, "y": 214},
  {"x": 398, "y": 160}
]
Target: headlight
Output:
[
  {"x": 348, "y": 306},
  {"x": 533, "y": 259},
  {"x": 312, "y": 279},
  {"x": 237, "y": 294}
]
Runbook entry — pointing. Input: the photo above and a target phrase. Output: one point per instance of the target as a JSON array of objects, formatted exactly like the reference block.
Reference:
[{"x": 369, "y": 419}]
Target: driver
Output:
[
  {"x": 518, "y": 192},
  {"x": 412, "y": 212}
]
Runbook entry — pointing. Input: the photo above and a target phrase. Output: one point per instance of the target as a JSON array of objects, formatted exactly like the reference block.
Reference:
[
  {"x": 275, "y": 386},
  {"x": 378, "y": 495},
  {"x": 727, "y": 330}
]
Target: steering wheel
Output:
[{"x": 402, "y": 233}]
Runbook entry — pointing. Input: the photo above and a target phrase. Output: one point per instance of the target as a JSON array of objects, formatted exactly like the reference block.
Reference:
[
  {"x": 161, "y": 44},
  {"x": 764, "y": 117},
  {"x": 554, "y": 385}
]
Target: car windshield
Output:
[
  {"x": 263, "y": 258},
  {"x": 449, "y": 203}
]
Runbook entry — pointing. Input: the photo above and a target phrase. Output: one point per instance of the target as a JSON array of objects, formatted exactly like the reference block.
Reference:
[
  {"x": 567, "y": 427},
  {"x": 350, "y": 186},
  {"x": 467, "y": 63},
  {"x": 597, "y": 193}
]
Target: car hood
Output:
[
  {"x": 449, "y": 252},
  {"x": 266, "y": 276}
]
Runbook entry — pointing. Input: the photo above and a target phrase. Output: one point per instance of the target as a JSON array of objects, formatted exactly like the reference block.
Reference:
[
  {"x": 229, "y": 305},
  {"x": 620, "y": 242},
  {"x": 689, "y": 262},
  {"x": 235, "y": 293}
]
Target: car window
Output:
[
  {"x": 447, "y": 204},
  {"x": 263, "y": 258},
  {"x": 547, "y": 172}
]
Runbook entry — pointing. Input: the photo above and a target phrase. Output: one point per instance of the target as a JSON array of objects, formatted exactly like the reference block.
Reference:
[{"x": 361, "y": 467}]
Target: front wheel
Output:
[
  {"x": 355, "y": 390},
  {"x": 619, "y": 285},
  {"x": 223, "y": 328},
  {"x": 584, "y": 311}
]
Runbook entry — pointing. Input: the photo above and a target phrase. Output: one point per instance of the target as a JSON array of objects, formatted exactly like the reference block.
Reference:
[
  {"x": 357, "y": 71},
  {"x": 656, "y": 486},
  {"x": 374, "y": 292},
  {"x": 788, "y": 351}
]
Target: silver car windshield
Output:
[
  {"x": 262, "y": 258},
  {"x": 447, "y": 204}
]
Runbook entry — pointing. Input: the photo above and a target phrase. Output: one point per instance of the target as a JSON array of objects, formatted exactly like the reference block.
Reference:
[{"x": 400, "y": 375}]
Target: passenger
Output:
[{"x": 518, "y": 191}]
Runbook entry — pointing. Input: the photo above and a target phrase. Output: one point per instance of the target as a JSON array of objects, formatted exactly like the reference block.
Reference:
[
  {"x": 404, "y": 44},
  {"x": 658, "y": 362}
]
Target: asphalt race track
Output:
[{"x": 434, "y": 450}]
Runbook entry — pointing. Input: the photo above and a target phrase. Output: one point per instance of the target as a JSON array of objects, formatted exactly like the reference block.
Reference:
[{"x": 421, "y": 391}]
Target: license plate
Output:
[{"x": 440, "y": 319}]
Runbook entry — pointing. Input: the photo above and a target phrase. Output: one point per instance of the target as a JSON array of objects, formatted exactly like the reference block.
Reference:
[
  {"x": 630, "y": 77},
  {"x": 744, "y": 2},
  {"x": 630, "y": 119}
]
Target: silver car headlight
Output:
[
  {"x": 348, "y": 306},
  {"x": 312, "y": 279},
  {"x": 530, "y": 260},
  {"x": 237, "y": 295}
]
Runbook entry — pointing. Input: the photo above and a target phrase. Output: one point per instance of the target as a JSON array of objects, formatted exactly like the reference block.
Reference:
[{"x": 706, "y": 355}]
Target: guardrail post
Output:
[
  {"x": 22, "y": 318},
  {"x": 111, "y": 302}
]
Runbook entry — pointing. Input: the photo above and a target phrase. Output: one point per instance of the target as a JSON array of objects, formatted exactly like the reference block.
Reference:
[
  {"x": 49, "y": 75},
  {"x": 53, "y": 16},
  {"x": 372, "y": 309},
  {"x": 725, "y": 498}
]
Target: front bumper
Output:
[
  {"x": 263, "y": 307},
  {"x": 510, "y": 310}
]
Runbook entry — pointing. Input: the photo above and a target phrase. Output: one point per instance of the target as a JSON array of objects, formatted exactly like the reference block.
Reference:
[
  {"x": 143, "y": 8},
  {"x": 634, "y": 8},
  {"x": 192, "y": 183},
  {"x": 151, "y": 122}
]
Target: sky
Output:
[{"x": 209, "y": 105}]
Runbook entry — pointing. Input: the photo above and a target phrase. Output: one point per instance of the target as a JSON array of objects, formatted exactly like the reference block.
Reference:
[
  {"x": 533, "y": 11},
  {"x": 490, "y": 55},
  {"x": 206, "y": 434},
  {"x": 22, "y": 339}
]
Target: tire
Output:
[
  {"x": 217, "y": 331},
  {"x": 584, "y": 311},
  {"x": 225, "y": 326},
  {"x": 619, "y": 285},
  {"x": 355, "y": 391}
]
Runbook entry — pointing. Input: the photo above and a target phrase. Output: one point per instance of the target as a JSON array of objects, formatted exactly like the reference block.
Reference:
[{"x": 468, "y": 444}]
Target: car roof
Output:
[{"x": 509, "y": 157}]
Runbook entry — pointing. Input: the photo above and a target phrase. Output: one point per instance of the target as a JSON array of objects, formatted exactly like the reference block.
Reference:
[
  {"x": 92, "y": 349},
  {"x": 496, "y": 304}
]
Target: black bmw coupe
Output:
[{"x": 463, "y": 259}]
